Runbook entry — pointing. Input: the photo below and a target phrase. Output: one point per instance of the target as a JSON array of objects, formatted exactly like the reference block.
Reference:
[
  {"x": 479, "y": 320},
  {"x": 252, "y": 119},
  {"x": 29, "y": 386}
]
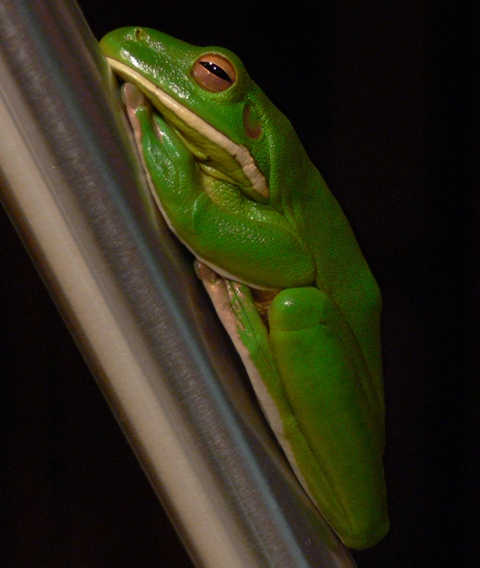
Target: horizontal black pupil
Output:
[{"x": 216, "y": 70}]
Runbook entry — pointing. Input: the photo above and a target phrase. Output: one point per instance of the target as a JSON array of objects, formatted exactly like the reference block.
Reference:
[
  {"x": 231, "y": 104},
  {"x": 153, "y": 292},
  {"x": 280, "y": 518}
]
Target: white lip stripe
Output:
[{"x": 239, "y": 153}]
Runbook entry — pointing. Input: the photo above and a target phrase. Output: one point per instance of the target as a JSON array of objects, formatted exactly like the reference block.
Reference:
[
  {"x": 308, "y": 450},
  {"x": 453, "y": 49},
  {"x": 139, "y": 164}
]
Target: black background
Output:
[{"x": 385, "y": 98}]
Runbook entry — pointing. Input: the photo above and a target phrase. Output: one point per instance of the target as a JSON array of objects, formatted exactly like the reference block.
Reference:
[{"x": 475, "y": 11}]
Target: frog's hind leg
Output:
[{"x": 321, "y": 381}]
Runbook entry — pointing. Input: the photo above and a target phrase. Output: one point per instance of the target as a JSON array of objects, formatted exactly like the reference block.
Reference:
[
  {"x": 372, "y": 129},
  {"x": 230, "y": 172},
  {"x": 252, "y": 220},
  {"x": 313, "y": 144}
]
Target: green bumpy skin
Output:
[{"x": 236, "y": 186}]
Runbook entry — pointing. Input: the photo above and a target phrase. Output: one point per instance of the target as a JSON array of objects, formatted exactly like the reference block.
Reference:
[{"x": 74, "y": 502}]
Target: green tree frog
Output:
[{"x": 278, "y": 259}]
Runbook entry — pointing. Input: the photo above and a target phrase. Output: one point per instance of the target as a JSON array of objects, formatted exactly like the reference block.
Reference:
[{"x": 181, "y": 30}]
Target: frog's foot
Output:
[{"x": 133, "y": 99}]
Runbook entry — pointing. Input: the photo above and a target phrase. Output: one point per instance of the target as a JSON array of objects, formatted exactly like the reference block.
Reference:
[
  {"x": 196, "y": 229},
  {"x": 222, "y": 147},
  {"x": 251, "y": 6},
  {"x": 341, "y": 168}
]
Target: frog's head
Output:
[{"x": 208, "y": 97}]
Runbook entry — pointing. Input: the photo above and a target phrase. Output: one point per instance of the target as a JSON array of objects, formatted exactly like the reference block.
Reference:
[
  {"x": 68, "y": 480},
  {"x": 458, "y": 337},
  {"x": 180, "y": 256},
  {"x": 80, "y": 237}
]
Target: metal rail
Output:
[{"x": 134, "y": 306}]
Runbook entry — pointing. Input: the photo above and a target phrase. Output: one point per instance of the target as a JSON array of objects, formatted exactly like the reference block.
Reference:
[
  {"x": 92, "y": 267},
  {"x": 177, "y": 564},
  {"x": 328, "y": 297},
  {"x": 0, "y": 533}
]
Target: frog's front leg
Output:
[
  {"x": 169, "y": 165},
  {"x": 309, "y": 389}
]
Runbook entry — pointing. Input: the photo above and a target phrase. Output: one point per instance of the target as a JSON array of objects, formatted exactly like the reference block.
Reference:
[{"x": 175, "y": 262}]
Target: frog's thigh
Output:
[{"x": 331, "y": 409}]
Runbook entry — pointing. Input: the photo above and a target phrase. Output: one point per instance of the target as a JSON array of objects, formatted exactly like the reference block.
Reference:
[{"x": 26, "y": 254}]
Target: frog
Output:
[{"x": 278, "y": 259}]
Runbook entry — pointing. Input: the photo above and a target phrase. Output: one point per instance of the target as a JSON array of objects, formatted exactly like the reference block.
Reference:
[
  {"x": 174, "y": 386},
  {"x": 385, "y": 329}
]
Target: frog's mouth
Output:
[{"x": 218, "y": 155}]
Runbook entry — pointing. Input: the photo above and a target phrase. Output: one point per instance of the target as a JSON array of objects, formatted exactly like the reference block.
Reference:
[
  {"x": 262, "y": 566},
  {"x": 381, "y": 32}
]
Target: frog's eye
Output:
[{"x": 214, "y": 73}]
